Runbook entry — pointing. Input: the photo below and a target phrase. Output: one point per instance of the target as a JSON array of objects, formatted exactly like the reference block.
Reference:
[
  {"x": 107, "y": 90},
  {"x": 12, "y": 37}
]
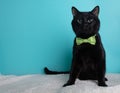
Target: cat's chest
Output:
[
  {"x": 86, "y": 50},
  {"x": 87, "y": 54}
]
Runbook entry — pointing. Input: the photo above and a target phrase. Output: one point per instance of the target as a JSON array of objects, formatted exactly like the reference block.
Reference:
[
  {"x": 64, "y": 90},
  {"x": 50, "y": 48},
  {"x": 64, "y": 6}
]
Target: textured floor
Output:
[{"x": 53, "y": 84}]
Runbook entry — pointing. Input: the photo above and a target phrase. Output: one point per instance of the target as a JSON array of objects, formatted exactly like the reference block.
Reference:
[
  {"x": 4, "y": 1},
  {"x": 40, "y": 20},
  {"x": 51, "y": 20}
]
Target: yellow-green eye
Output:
[
  {"x": 79, "y": 21},
  {"x": 90, "y": 20}
]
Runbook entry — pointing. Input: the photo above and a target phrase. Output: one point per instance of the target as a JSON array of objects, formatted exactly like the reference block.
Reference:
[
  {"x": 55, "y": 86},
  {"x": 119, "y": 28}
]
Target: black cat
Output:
[{"x": 89, "y": 60}]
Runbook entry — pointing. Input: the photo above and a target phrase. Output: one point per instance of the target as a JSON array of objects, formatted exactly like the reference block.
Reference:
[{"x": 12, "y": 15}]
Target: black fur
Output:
[
  {"x": 89, "y": 61},
  {"x": 47, "y": 71}
]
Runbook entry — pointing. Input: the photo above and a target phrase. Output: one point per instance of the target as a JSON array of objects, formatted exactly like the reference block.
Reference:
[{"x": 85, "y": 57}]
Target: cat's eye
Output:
[
  {"x": 79, "y": 21},
  {"x": 90, "y": 20}
]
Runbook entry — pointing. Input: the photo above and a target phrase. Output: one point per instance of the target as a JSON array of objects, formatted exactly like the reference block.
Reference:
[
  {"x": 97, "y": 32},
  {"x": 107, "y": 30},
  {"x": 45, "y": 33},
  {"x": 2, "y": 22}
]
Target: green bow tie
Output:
[{"x": 91, "y": 40}]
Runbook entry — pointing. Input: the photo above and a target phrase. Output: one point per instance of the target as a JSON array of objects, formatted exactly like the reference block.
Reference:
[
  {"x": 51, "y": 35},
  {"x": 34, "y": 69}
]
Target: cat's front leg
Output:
[
  {"x": 101, "y": 73},
  {"x": 73, "y": 74}
]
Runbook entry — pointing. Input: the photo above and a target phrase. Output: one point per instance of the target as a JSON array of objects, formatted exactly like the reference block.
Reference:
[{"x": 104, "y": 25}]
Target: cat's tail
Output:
[{"x": 47, "y": 71}]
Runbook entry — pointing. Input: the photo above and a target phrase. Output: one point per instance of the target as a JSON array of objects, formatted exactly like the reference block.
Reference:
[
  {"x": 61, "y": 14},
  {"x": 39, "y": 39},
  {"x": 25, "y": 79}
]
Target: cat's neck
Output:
[{"x": 85, "y": 36}]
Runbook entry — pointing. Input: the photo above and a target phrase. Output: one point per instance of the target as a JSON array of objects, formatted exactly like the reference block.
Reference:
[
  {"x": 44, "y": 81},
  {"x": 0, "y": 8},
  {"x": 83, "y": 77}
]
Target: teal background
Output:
[{"x": 38, "y": 33}]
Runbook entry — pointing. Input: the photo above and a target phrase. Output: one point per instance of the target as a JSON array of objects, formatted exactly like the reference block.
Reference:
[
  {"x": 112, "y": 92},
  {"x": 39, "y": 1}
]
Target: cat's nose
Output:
[{"x": 85, "y": 26}]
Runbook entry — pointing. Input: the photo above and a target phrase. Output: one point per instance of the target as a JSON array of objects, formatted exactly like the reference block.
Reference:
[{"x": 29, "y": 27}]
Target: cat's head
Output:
[{"x": 85, "y": 24}]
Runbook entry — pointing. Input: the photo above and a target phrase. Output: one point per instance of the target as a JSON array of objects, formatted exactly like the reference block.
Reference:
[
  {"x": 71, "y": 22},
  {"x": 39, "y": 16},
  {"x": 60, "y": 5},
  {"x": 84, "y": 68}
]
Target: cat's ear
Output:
[
  {"x": 74, "y": 11},
  {"x": 96, "y": 10}
]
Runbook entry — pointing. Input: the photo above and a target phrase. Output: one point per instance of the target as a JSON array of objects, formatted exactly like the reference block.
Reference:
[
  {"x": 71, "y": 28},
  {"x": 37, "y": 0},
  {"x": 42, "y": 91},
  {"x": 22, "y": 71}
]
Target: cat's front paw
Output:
[
  {"x": 68, "y": 84},
  {"x": 102, "y": 84}
]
